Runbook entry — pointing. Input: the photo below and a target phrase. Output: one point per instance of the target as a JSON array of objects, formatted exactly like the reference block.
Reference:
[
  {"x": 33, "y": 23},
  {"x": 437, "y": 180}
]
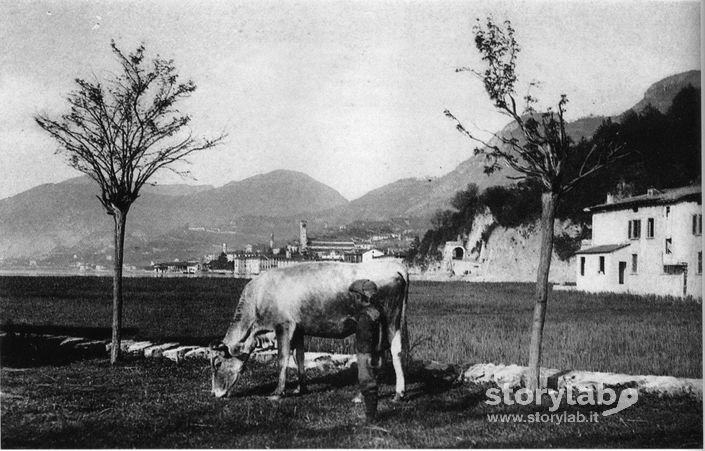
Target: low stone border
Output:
[
  {"x": 513, "y": 376},
  {"x": 510, "y": 376}
]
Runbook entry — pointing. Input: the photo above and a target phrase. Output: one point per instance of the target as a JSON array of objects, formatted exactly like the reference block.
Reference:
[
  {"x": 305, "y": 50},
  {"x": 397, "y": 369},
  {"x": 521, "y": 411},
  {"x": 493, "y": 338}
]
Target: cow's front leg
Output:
[
  {"x": 297, "y": 343},
  {"x": 284, "y": 333}
]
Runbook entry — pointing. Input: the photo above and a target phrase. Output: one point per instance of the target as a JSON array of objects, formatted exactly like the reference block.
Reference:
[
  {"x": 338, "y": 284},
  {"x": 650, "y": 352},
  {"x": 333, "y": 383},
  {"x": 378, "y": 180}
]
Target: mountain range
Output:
[{"x": 63, "y": 220}]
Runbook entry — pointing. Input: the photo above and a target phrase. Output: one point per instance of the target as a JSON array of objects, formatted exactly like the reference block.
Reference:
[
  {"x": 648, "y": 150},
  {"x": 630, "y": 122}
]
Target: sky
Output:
[{"x": 351, "y": 93}]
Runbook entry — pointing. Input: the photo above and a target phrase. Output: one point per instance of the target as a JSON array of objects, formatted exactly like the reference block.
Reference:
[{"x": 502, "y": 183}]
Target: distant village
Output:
[{"x": 253, "y": 260}]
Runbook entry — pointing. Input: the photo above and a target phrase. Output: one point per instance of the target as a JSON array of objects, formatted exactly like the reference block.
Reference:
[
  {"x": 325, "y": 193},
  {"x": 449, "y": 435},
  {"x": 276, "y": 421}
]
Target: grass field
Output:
[
  {"x": 160, "y": 404},
  {"x": 155, "y": 403},
  {"x": 458, "y": 323}
]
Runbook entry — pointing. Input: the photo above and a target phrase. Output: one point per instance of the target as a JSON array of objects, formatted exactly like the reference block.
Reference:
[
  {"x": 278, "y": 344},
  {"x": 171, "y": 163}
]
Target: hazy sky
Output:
[{"x": 349, "y": 92}]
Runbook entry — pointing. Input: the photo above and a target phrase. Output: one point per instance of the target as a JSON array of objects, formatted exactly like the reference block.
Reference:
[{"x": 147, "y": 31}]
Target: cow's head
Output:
[{"x": 225, "y": 368}]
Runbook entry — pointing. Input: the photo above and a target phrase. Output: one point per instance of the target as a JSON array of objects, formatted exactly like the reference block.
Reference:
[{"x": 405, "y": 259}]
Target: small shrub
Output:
[
  {"x": 513, "y": 205},
  {"x": 566, "y": 246}
]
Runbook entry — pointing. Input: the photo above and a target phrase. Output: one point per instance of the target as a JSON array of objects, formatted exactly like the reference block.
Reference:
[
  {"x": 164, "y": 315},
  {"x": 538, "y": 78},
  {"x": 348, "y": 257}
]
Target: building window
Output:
[
  {"x": 669, "y": 243},
  {"x": 602, "y": 265},
  {"x": 582, "y": 266},
  {"x": 673, "y": 269},
  {"x": 650, "y": 228},
  {"x": 635, "y": 263},
  {"x": 634, "y": 229},
  {"x": 700, "y": 262},
  {"x": 697, "y": 224},
  {"x": 668, "y": 211}
]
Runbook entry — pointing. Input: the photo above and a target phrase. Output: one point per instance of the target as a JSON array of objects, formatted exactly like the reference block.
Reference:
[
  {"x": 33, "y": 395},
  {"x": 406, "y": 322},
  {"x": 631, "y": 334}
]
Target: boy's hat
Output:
[{"x": 364, "y": 287}]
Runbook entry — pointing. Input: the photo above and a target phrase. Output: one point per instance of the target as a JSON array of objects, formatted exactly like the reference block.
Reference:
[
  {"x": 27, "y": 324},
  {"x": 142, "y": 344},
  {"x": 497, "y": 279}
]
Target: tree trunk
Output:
[
  {"x": 548, "y": 213},
  {"x": 120, "y": 218}
]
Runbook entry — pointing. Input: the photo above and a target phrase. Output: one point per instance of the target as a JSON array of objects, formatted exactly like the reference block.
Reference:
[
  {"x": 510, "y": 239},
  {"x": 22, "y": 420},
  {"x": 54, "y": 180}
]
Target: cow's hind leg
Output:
[
  {"x": 284, "y": 333},
  {"x": 398, "y": 368},
  {"x": 297, "y": 342}
]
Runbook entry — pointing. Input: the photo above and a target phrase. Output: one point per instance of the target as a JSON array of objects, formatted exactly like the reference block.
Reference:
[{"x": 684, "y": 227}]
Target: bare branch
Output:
[
  {"x": 545, "y": 149},
  {"x": 614, "y": 153},
  {"x": 122, "y": 131}
]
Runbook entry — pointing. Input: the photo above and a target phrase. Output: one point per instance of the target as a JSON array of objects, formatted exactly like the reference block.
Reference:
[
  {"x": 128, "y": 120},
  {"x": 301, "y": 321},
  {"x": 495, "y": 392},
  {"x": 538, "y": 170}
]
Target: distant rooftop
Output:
[
  {"x": 330, "y": 241},
  {"x": 652, "y": 197}
]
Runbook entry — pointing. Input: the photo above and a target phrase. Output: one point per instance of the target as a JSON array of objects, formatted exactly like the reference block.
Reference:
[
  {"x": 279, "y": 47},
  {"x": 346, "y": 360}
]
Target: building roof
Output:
[
  {"x": 603, "y": 249},
  {"x": 331, "y": 241},
  {"x": 653, "y": 197},
  {"x": 330, "y": 245},
  {"x": 179, "y": 263}
]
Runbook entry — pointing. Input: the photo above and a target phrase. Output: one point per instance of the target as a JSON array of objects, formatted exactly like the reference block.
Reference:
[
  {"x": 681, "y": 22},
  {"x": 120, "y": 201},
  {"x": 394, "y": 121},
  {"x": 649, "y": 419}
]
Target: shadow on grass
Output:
[
  {"x": 159, "y": 404},
  {"x": 94, "y": 333},
  {"x": 330, "y": 381},
  {"x": 420, "y": 382},
  {"x": 26, "y": 351},
  {"x": 104, "y": 333},
  {"x": 27, "y": 346}
]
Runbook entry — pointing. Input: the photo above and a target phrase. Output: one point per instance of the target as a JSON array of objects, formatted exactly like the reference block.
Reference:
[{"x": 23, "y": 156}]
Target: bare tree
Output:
[
  {"x": 543, "y": 152},
  {"x": 120, "y": 132}
]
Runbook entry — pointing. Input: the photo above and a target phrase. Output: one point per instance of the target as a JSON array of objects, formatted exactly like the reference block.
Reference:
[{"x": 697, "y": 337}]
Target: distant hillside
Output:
[
  {"x": 176, "y": 189},
  {"x": 164, "y": 190},
  {"x": 421, "y": 198},
  {"x": 67, "y": 215},
  {"x": 397, "y": 199},
  {"x": 660, "y": 95},
  {"x": 277, "y": 193}
]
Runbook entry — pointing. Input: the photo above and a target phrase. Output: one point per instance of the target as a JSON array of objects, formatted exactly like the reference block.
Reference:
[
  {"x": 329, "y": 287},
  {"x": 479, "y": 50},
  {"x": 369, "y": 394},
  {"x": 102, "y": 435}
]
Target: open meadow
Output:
[
  {"x": 450, "y": 322},
  {"x": 156, "y": 403}
]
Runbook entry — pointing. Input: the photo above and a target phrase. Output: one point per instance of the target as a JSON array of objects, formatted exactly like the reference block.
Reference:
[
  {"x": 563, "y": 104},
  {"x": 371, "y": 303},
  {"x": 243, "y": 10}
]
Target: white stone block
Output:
[
  {"x": 137, "y": 347},
  {"x": 157, "y": 350},
  {"x": 198, "y": 353},
  {"x": 72, "y": 341},
  {"x": 177, "y": 354}
]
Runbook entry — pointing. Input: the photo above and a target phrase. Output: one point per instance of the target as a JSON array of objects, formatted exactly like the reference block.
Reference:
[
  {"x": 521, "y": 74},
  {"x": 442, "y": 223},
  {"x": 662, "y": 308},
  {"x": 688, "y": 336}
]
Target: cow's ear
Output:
[
  {"x": 239, "y": 352},
  {"x": 219, "y": 346}
]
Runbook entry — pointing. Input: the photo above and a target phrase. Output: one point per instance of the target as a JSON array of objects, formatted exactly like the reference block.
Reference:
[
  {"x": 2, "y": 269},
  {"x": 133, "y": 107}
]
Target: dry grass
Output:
[
  {"x": 159, "y": 404},
  {"x": 619, "y": 333}
]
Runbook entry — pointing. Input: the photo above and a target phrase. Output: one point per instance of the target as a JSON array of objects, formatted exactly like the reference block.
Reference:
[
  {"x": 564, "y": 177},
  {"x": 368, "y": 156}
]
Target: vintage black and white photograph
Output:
[{"x": 350, "y": 224}]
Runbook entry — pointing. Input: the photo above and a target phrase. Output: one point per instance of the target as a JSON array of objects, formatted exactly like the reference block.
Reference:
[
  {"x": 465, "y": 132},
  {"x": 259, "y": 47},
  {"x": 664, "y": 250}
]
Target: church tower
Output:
[{"x": 303, "y": 238}]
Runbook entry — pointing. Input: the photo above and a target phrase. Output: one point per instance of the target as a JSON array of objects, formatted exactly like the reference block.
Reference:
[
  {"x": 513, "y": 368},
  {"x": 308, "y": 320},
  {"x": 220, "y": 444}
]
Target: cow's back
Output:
[{"x": 315, "y": 295}]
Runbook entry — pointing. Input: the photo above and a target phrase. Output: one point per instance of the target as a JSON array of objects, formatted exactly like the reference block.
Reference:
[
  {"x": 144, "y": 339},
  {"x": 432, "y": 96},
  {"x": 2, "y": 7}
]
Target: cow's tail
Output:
[{"x": 403, "y": 327}]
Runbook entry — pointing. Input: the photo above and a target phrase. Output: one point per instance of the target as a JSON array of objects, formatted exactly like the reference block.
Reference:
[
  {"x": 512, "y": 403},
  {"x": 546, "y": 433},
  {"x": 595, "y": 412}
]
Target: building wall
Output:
[
  {"x": 651, "y": 281},
  {"x": 674, "y": 222}
]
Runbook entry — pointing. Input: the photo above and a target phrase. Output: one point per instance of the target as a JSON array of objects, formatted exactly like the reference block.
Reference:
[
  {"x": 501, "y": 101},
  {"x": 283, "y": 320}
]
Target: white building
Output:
[
  {"x": 372, "y": 254},
  {"x": 647, "y": 244}
]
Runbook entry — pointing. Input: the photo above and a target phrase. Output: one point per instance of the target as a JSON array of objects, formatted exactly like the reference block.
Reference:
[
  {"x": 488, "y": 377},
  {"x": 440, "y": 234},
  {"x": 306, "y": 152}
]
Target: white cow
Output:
[{"x": 308, "y": 299}]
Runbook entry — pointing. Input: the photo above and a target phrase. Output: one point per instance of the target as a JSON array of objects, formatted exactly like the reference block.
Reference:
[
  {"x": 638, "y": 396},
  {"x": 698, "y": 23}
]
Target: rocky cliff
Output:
[{"x": 494, "y": 253}]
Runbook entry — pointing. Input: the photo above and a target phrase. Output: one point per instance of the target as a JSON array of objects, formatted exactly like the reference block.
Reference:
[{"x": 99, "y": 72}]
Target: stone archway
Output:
[{"x": 458, "y": 253}]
